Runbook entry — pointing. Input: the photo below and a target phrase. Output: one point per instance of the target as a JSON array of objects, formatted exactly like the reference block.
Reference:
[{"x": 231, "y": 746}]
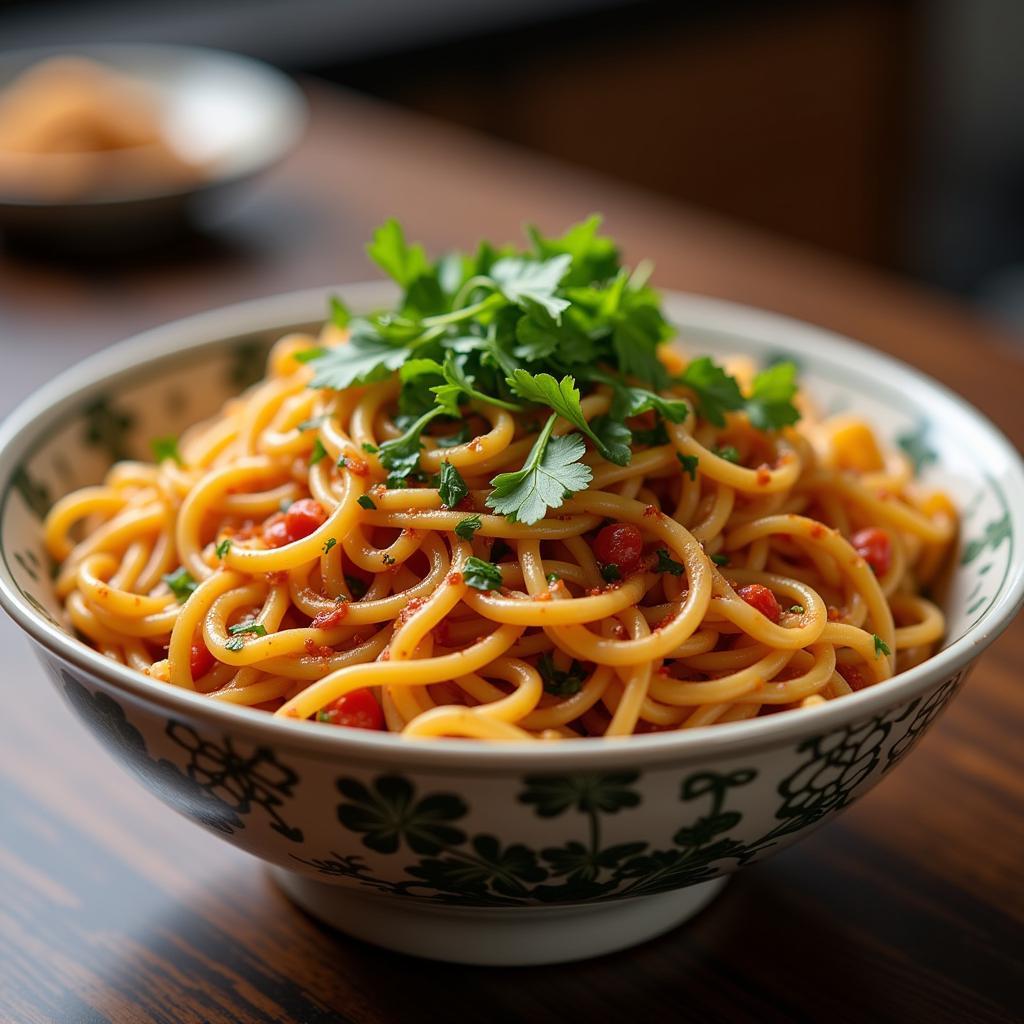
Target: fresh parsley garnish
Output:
[
  {"x": 181, "y": 583},
  {"x": 248, "y": 628},
  {"x": 881, "y": 647},
  {"x": 166, "y": 448},
  {"x": 223, "y": 547},
  {"x": 365, "y": 501},
  {"x": 689, "y": 464},
  {"x": 796, "y": 609},
  {"x": 467, "y": 527},
  {"x": 401, "y": 455},
  {"x": 770, "y": 405},
  {"x": 552, "y": 577},
  {"x": 340, "y": 315},
  {"x": 481, "y": 575},
  {"x": 310, "y": 424},
  {"x": 552, "y": 472},
  {"x": 452, "y": 488},
  {"x": 318, "y": 452},
  {"x": 329, "y": 543},
  {"x": 610, "y": 572},
  {"x": 720, "y": 559},
  {"x": 667, "y": 564},
  {"x": 728, "y": 452},
  {"x": 716, "y": 392},
  {"x": 558, "y": 682},
  {"x": 357, "y": 588},
  {"x": 371, "y": 449}
]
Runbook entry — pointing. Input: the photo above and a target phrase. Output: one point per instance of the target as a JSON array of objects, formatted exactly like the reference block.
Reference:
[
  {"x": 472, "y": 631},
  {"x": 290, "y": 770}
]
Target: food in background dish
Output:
[
  {"x": 71, "y": 128},
  {"x": 504, "y": 510}
]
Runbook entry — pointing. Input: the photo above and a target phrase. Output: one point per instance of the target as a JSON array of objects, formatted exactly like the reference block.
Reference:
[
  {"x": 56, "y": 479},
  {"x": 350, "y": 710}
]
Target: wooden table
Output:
[{"x": 908, "y": 908}]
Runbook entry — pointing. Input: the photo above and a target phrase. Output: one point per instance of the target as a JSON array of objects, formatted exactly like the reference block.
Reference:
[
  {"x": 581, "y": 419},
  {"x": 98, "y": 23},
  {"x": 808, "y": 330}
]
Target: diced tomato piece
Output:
[
  {"x": 275, "y": 533},
  {"x": 875, "y": 547},
  {"x": 331, "y": 618},
  {"x": 202, "y": 659},
  {"x": 303, "y": 517},
  {"x": 356, "y": 710},
  {"x": 761, "y": 599},
  {"x": 621, "y": 545},
  {"x": 854, "y": 676}
]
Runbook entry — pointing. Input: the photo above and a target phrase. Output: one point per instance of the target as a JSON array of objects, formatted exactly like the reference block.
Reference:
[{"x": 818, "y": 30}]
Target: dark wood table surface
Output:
[{"x": 909, "y": 908}]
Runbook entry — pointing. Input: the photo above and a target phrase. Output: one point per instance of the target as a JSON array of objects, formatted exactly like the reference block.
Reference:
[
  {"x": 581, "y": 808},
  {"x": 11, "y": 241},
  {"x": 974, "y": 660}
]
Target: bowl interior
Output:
[{"x": 155, "y": 386}]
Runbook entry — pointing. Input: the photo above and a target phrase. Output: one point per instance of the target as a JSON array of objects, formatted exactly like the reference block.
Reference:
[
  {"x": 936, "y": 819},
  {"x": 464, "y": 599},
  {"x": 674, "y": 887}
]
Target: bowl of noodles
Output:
[{"x": 506, "y": 609}]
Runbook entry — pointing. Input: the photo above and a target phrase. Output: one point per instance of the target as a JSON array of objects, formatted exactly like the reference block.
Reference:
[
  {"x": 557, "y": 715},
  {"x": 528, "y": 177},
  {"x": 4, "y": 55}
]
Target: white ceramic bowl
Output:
[
  {"x": 232, "y": 115},
  {"x": 504, "y": 853}
]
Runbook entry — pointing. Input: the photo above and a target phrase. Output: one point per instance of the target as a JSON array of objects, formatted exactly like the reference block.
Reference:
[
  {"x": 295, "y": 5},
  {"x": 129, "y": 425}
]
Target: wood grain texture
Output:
[{"x": 908, "y": 908}]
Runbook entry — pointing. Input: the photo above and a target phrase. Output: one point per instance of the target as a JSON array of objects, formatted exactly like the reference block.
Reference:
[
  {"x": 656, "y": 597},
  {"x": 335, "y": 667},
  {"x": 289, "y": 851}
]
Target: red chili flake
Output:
[
  {"x": 410, "y": 609},
  {"x": 454, "y": 579},
  {"x": 764, "y": 476},
  {"x": 324, "y": 651},
  {"x": 651, "y": 510},
  {"x": 544, "y": 595},
  {"x": 817, "y": 531},
  {"x": 357, "y": 466},
  {"x": 310, "y": 645},
  {"x": 384, "y": 655},
  {"x": 330, "y": 619},
  {"x": 275, "y": 579},
  {"x": 377, "y": 490},
  {"x": 833, "y": 613}
]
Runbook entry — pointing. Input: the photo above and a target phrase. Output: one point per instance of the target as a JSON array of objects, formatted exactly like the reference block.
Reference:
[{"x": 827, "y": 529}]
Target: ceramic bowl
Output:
[
  {"x": 232, "y": 115},
  {"x": 504, "y": 853}
]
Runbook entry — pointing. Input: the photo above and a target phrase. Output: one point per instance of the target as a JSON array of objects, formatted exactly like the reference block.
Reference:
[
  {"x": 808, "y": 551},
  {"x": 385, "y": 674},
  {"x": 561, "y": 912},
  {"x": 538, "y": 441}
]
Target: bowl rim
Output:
[
  {"x": 285, "y": 86},
  {"x": 278, "y": 314}
]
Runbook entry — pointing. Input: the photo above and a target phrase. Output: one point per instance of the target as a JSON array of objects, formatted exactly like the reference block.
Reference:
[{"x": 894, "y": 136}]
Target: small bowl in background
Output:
[{"x": 229, "y": 117}]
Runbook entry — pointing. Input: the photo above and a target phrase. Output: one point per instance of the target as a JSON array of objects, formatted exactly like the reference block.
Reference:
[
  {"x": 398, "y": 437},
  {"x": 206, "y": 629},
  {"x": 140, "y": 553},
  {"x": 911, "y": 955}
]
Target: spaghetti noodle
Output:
[{"x": 300, "y": 554}]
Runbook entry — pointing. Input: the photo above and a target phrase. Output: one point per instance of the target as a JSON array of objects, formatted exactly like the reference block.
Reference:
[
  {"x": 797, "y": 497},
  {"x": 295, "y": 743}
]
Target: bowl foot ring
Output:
[{"x": 506, "y": 936}]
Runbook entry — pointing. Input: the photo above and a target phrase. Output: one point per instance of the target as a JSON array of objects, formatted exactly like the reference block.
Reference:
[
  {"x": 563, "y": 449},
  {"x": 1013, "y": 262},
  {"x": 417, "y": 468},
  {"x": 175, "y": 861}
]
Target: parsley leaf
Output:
[
  {"x": 223, "y": 547},
  {"x": 362, "y": 361},
  {"x": 252, "y": 628},
  {"x": 318, "y": 452},
  {"x": 525, "y": 282},
  {"x": 770, "y": 405},
  {"x": 329, "y": 543},
  {"x": 481, "y": 575},
  {"x": 610, "y": 572},
  {"x": 401, "y": 455},
  {"x": 720, "y": 559},
  {"x": 564, "y": 398},
  {"x": 452, "y": 487},
  {"x": 340, "y": 315},
  {"x": 689, "y": 464},
  {"x": 467, "y": 527},
  {"x": 667, "y": 564},
  {"x": 365, "y": 501},
  {"x": 594, "y": 259},
  {"x": 881, "y": 647},
  {"x": 630, "y": 401},
  {"x": 459, "y": 382},
  {"x": 356, "y": 587},
  {"x": 716, "y": 391},
  {"x": 399, "y": 260},
  {"x": 166, "y": 448},
  {"x": 558, "y": 682},
  {"x": 552, "y": 472},
  {"x": 728, "y": 452},
  {"x": 181, "y": 583}
]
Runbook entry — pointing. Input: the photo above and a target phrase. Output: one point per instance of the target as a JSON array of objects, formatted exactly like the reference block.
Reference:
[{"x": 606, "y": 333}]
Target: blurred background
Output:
[{"x": 891, "y": 133}]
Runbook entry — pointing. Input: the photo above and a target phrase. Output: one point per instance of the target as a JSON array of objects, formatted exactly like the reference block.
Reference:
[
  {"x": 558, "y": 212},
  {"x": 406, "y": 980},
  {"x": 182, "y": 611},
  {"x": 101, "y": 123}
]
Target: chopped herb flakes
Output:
[
  {"x": 181, "y": 583},
  {"x": 481, "y": 575},
  {"x": 365, "y": 501},
  {"x": 466, "y": 528},
  {"x": 667, "y": 564},
  {"x": 881, "y": 647}
]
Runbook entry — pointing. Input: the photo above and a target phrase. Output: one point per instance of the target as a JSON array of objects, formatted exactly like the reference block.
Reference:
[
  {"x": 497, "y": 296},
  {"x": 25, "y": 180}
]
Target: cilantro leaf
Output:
[
  {"x": 166, "y": 448},
  {"x": 560, "y": 683},
  {"x": 181, "y": 583},
  {"x": 564, "y": 398},
  {"x": 667, "y": 564},
  {"x": 551, "y": 473},
  {"x": 716, "y": 391},
  {"x": 770, "y": 405},
  {"x": 401, "y": 455},
  {"x": 528, "y": 281},
  {"x": 481, "y": 575},
  {"x": 452, "y": 487},
  {"x": 467, "y": 527}
]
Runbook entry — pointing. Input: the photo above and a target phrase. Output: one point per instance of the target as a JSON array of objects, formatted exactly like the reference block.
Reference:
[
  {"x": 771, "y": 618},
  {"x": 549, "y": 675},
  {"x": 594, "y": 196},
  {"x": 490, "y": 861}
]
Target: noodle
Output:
[{"x": 757, "y": 589}]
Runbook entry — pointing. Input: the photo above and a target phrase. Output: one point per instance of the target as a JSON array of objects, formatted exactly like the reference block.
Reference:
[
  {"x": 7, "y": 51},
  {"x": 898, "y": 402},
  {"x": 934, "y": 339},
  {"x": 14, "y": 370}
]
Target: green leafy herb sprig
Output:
[{"x": 521, "y": 329}]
